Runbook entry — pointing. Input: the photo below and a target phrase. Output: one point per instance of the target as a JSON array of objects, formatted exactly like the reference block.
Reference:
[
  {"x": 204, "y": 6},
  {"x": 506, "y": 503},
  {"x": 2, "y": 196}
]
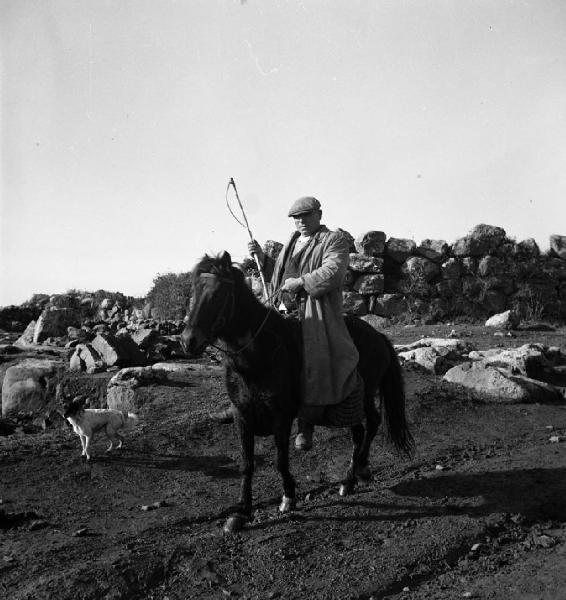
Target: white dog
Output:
[{"x": 88, "y": 421}]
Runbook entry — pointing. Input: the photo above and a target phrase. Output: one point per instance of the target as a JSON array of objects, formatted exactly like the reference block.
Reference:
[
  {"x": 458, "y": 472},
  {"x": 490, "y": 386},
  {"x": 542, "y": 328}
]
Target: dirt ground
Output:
[{"x": 480, "y": 512}]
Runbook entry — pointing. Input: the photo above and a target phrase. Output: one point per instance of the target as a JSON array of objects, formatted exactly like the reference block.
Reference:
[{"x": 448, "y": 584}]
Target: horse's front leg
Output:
[
  {"x": 281, "y": 435},
  {"x": 243, "y": 509}
]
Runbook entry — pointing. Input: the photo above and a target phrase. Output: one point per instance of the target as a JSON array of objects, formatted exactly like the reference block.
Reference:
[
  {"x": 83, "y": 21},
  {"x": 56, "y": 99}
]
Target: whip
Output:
[{"x": 246, "y": 225}]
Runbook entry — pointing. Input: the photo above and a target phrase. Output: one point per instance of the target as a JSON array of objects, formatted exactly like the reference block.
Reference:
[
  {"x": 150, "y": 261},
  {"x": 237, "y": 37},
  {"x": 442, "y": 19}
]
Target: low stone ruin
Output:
[{"x": 480, "y": 274}]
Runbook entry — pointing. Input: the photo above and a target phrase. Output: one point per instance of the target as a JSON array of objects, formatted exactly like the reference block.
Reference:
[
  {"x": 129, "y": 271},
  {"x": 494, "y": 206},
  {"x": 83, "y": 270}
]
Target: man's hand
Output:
[
  {"x": 293, "y": 285},
  {"x": 255, "y": 248}
]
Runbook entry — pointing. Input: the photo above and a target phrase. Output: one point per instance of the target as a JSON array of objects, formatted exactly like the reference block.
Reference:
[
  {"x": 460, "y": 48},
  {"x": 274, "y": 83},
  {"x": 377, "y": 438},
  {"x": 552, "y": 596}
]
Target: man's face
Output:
[{"x": 308, "y": 223}]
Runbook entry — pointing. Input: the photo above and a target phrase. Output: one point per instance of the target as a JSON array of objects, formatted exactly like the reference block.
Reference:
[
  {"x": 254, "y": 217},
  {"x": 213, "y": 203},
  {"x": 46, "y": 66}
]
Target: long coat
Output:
[{"x": 330, "y": 357}]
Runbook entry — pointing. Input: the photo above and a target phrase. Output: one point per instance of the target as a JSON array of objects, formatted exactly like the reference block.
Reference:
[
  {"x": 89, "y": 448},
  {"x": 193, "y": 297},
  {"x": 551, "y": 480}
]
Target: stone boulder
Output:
[
  {"x": 145, "y": 337},
  {"x": 399, "y": 249},
  {"x": 449, "y": 288},
  {"x": 119, "y": 351},
  {"x": 436, "y": 359},
  {"x": 184, "y": 368},
  {"x": 451, "y": 269},
  {"x": 369, "y": 284},
  {"x": 499, "y": 385},
  {"x": 365, "y": 264},
  {"x": 558, "y": 245},
  {"x": 435, "y": 250},
  {"x": 371, "y": 243},
  {"x": 76, "y": 333},
  {"x": 482, "y": 240},
  {"x": 272, "y": 248},
  {"x": 527, "y": 249},
  {"x": 127, "y": 390},
  {"x": 54, "y": 323},
  {"x": 350, "y": 278},
  {"x": 349, "y": 239},
  {"x": 461, "y": 347},
  {"x": 490, "y": 266},
  {"x": 354, "y": 303},
  {"x": 420, "y": 268},
  {"x": 30, "y": 386},
  {"x": 376, "y": 322},
  {"x": 556, "y": 268},
  {"x": 86, "y": 358},
  {"x": 469, "y": 265},
  {"x": 505, "y": 320},
  {"x": 530, "y": 360},
  {"x": 390, "y": 305},
  {"x": 26, "y": 339}
]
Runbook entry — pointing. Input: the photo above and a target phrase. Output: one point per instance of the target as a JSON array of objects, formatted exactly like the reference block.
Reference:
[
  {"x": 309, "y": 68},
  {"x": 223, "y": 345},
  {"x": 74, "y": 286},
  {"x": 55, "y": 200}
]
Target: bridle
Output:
[{"x": 222, "y": 319}]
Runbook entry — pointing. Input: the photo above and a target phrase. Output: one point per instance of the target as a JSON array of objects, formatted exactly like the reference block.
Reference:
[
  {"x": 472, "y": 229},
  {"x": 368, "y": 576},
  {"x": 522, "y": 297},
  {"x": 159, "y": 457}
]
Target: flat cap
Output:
[{"x": 303, "y": 205}]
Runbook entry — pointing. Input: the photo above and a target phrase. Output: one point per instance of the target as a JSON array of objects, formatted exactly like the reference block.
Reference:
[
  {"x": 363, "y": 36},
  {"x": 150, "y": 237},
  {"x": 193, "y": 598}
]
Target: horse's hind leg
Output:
[
  {"x": 243, "y": 509},
  {"x": 281, "y": 435},
  {"x": 373, "y": 420},
  {"x": 349, "y": 482}
]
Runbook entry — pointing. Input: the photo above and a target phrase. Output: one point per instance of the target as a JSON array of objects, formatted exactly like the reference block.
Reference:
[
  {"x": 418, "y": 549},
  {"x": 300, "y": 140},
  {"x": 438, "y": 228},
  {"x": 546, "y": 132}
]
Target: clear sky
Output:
[{"x": 123, "y": 120}]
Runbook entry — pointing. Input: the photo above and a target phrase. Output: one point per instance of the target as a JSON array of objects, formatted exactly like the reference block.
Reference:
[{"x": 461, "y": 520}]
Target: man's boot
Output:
[
  {"x": 303, "y": 441},
  {"x": 224, "y": 416}
]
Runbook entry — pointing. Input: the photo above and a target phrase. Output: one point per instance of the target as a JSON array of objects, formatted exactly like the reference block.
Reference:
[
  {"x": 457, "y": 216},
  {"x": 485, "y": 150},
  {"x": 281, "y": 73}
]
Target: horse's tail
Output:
[{"x": 392, "y": 392}]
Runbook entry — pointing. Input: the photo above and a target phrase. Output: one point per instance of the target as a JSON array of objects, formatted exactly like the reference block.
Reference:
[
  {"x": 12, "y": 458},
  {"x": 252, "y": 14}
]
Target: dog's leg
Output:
[
  {"x": 115, "y": 438},
  {"x": 83, "y": 443},
  {"x": 87, "y": 447}
]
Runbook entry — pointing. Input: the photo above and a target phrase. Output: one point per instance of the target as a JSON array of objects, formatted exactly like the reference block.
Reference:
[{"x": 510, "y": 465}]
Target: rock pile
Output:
[
  {"x": 101, "y": 337},
  {"x": 529, "y": 373}
]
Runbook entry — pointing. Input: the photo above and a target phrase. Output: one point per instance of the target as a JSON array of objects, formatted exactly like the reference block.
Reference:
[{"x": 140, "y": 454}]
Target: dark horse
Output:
[{"x": 263, "y": 359}]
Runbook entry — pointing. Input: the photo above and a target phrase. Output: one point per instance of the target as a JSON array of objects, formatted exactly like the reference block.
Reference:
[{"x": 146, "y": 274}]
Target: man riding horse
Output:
[{"x": 307, "y": 280}]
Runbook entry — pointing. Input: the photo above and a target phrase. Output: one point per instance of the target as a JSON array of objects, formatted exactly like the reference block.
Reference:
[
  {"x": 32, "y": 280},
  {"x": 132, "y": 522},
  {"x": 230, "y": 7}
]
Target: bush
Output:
[
  {"x": 170, "y": 295},
  {"x": 250, "y": 268}
]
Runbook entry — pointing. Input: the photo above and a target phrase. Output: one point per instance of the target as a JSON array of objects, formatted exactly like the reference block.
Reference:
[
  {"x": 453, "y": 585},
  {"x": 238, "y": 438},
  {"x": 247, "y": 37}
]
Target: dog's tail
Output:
[{"x": 130, "y": 420}]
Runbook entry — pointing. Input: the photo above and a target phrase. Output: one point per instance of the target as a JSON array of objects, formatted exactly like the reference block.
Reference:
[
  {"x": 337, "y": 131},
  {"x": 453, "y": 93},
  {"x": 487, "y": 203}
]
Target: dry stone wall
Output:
[{"x": 478, "y": 275}]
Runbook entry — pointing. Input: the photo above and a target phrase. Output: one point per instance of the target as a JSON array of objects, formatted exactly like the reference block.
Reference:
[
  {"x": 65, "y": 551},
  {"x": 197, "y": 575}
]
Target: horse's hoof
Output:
[
  {"x": 287, "y": 504},
  {"x": 346, "y": 489},
  {"x": 363, "y": 473},
  {"x": 234, "y": 524}
]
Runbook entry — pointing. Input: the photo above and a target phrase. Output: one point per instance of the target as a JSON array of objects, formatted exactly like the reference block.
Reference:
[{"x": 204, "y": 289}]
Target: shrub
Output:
[
  {"x": 249, "y": 266},
  {"x": 170, "y": 295}
]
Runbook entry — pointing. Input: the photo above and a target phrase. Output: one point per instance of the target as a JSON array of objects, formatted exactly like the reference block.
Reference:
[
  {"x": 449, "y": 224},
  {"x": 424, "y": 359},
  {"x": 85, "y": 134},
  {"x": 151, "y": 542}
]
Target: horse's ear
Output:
[{"x": 226, "y": 260}]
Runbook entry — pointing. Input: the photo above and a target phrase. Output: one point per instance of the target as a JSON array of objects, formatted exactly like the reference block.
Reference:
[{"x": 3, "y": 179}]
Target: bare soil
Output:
[{"x": 479, "y": 513}]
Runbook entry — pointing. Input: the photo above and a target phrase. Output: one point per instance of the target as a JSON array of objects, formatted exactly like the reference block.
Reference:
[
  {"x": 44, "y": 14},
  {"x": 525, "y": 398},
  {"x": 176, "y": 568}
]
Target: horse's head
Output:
[{"x": 212, "y": 302}]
